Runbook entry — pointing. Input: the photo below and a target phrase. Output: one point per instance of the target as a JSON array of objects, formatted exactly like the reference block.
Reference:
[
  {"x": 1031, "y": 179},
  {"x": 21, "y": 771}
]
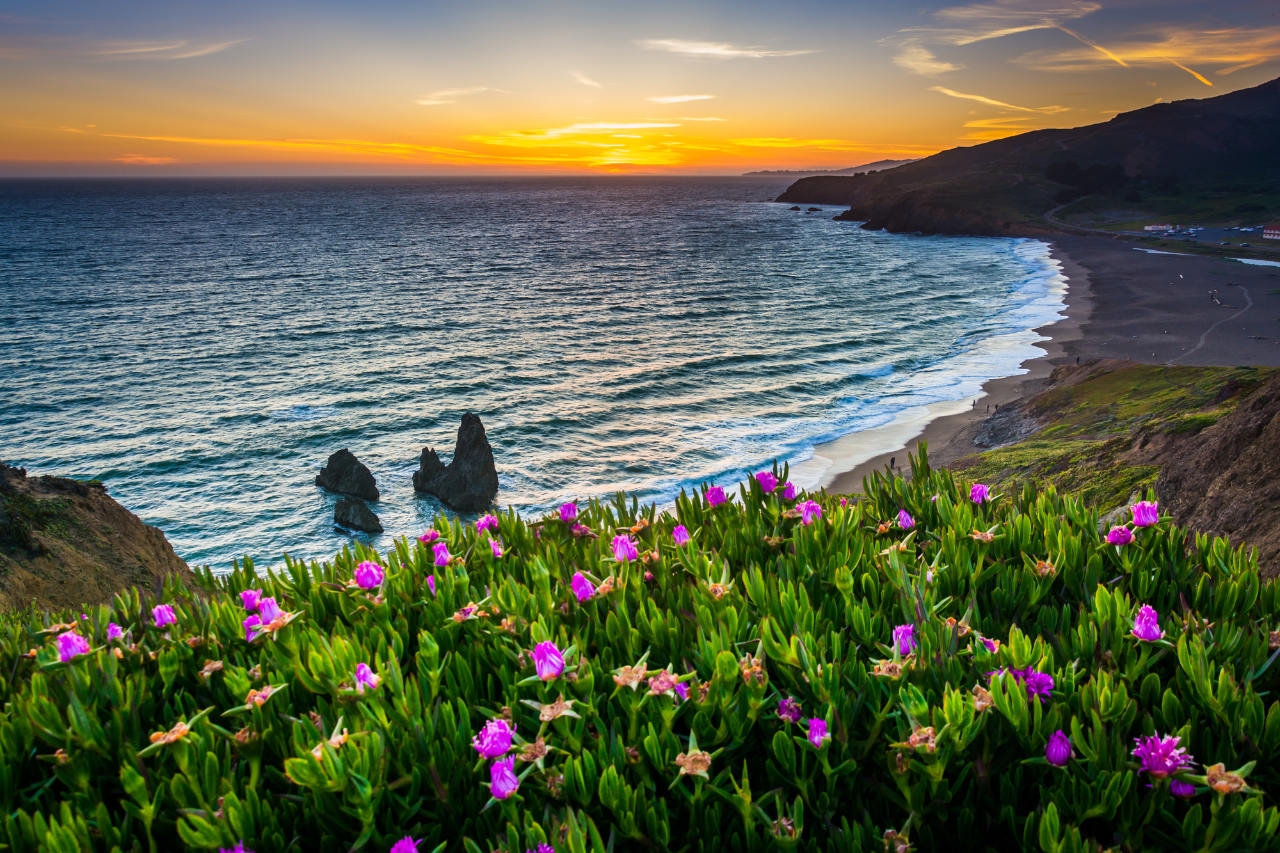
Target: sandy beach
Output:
[{"x": 1121, "y": 302}]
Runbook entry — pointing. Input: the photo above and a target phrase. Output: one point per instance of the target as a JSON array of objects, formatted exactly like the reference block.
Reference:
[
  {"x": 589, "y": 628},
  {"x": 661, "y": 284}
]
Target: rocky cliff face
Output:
[{"x": 64, "y": 543}]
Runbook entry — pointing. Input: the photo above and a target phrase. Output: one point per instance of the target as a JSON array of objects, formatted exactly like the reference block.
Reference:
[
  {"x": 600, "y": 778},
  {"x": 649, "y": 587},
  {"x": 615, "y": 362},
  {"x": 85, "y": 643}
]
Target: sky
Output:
[{"x": 109, "y": 87}]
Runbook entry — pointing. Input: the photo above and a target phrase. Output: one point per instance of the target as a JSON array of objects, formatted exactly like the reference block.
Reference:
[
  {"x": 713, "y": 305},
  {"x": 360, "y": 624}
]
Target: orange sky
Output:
[{"x": 342, "y": 88}]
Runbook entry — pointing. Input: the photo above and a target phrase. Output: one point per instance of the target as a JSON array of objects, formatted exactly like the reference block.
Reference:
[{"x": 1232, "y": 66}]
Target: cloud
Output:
[
  {"x": 678, "y": 99},
  {"x": 701, "y": 118},
  {"x": 1195, "y": 74},
  {"x": 575, "y": 134},
  {"x": 987, "y": 129},
  {"x": 715, "y": 50},
  {"x": 21, "y": 48},
  {"x": 832, "y": 145},
  {"x": 1231, "y": 48},
  {"x": 984, "y": 21},
  {"x": 917, "y": 58},
  {"x": 450, "y": 96},
  {"x": 143, "y": 160},
  {"x": 163, "y": 50},
  {"x": 992, "y": 102},
  {"x": 585, "y": 80}
]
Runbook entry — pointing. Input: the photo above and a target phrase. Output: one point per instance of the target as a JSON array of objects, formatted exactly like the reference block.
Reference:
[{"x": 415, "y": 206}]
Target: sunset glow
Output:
[{"x": 433, "y": 88}]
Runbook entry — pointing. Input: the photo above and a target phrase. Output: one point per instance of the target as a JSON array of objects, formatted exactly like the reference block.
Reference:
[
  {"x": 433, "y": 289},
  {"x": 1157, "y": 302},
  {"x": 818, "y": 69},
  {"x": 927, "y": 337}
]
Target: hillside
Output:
[
  {"x": 877, "y": 166},
  {"x": 1164, "y": 159}
]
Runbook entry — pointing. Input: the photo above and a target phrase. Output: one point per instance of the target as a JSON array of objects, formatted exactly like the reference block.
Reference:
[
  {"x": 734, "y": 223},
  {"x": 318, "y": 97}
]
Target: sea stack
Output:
[
  {"x": 469, "y": 482},
  {"x": 347, "y": 475},
  {"x": 354, "y": 514}
]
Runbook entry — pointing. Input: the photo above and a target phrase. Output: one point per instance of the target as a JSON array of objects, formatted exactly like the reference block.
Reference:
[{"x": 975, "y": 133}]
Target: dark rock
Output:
[
  {"x": 354, "y": 514},
  {"x": 469, "y": 482},
  {"x": 347, "y": 475},
  {"x": 795, "y": 207},
  {"x": 1006, "y": 426}
]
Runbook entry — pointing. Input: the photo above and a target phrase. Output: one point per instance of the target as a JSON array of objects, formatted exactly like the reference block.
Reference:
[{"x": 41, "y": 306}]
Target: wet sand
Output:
[{"x": 1120, "y": 303}]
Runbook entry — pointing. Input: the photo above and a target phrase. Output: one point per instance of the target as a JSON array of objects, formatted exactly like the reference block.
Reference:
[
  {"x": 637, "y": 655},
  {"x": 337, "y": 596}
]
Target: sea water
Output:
[{"x": 202, "y": 346}]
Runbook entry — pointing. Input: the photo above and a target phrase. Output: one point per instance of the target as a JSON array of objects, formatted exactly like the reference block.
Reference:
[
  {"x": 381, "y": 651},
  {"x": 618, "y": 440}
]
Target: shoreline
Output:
[{"x": 1119, "y": 303}]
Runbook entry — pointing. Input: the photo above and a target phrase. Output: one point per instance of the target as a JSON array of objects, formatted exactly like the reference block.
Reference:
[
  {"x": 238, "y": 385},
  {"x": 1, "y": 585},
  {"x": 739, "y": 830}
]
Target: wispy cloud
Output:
[
  {"x": 987, "y": 129},
  {"x": 182, "y": 49},
  {"x": 984, "y": 21},
  {"x": 702, "y": 118},
  {"x": 1093, "y": 44},
  {"x": 832, "y": 145},
  {"x": 19, "y": 48},
  {"x": 992, "y": 102},
  {"x": 1192, "y": 72},
  {"x": 333, "y": 147},
  {"x": 582, "y": 133},
  {"x": 143, "y": 160},
  {"x": 1229, "y": 49},
  {"x": 451, "y": 96},
  {"x": 716, "y": 50},
  {"x": 585, "y": 80},
  {"x": 678, "y": 99},
  {"x": 917, "y": 58}
]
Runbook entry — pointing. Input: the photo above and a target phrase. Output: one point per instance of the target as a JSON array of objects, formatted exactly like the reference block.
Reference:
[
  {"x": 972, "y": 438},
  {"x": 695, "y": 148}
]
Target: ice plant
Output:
[
  {"x": 568, "y": 512},
  {"x": 1058, "y": 750},
  {"x": 441, "y": 550},
  {"x": 250, "y": 598},
  {"x": 114, "y": 631},
  {"x": 239, "y": 848},
  {"x": 979, "y": 493},
  {"x": 252, "y": 627},
  {"x": 818, "y": 735},
  {"x": 767, "y": 481},
  {"x": 494, "y": 740},
  {"x": 162, "y": 614},
  {"x": 904, "y": 639},
  {"x": 486, "y": 522},
  {"x": 680, "y": 534},
  {"x": 431, "y": 583},
  {"x": 789, "y": 709},
  {"x": 1146, "y": 625},
  {"x": 715, "y": 496},
  {"x": 366, "y": 678},
  {"x": 496, "y": 548},
  {"x": 405, "y": 845},
  {"x": 905, "y": 521},
  {"x": 269, "y": 610},
  {"x": 429, "y": 537},
  {"x": 71, "y": 644},
  {"x": 1178, "y": 788},
  {"x": 582, "y": 587},
  {"x": 548, "y": 661},
  {"x": 810, "y": 511},
  {"x": 1119, "y": 535},
  {"x": 369, "y": 575},
  {"x": 1145, "y": 513},
  {"x": 542, "y": 848},
  {"x": 624, "y": 548},
  {"x": 1038, "y": 684},
  {"x": 789, "y": 491},
  {"x": 1160, "y": 756},
  {"x": 502, "y": 778}
]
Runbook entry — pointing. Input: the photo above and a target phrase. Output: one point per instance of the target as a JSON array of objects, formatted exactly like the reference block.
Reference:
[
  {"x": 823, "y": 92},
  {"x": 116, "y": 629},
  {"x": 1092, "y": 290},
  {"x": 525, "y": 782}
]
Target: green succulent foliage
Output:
[{"x": 663, "y": 730}]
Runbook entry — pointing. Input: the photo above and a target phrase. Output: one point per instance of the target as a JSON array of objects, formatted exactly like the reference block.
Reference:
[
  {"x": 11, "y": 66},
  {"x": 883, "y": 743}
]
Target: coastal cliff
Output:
[{"x": 64, "y": 543}]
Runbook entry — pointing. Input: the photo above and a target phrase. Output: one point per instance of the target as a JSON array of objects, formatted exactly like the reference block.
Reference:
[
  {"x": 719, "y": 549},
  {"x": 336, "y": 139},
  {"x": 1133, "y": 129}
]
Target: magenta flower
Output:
[
  {"x": 441, "y": 550},
  {"x": 366, "y": 677},
  {"x": 252, "y": 627},
  {"x": 789, "y": 709},
  {"x": 568, "y": 512},
  {"x": 680, "y": 534},
  {"x": 579, "y": 529},
  {"x": 1058, "y": 750},
  {"x": 1119, "y": 536},
  {"x": 496, "y": 548},
  {"x": 810, "y": 511},
  {"x": 1182, "y": 790},
  {"x": 904, "y": 639},
  {"x": 905, "y": 521},
  {"x": 715, "y": 496},
  {"x": 682, "y": 690},
  {"x": 239, "y": 848},
  {"x": 486, "y": 522},
  {"x": 767, "y": 481},
  {"x": 548, "y": 661},
  {"x": 250, "y": 598},
  {"x": 71, "y": 644},
  {"x": 582, "y": 587},
  {"x": 431, "y": 583},
  {"x": 789, "y": 491},
  {"x": 162, "y": 614},
  {"x": 978, "y": 493},
  {"x": 429, "y": 537},
  {"x": 542, "y": 848},
  {"x": 991, "y": 645},
  {"x": 1146, "y": 625},
  {"x": 502, "y": 778},
  {"x": 1145, "y": 513},
  {"x": 818, "y": 733},
  {"x": 1037, "y": 684},
  {"x": 405, "y": 845},
  {"x": 369, "y": 575},
  {"x": 269, "y": 610},
  {"x": 494, "y": 740},
  {"x": 624, "y": 548},
  {"x": 114, "y": 631},
  {"x": 1160, "y": 756}
]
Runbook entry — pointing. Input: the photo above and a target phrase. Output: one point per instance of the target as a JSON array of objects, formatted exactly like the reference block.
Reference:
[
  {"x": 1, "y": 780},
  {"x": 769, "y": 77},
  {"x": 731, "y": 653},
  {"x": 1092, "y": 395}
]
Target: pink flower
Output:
[
  {"x": 680, "y": 534},
  {"x": 542, "y": 848},
  {"x": 239, "y": 848},
  {"x": 789, "y": 491},
  {"x": 767, "y": 481},
  {"x": 904, "y": 639},
  {"x": 1182, "y": 790},
  {"x": 1146, "y": 625},
  {"x": 429, "y": 537},
  {"x": 978, "y": 493},
  {"x": 624, "y": 548},
  {"x": 369, "y": 575},
  {"x": 71, "y": 644},
  {"x": 568, "y": 512},
  {"x": 789, "y": 709},
  {"x": 269, "y": 610},
  {"x": 250, "y": 598},
  {"x": 431, "y": 583},
  {"x": 992, "y": 646},
  {"x": 1145, "y": 513},
  {"x": 494, "y": 740},
  {"x": 1161, "y": 756},
  {"x": 1058, "y": 750},
  {"x": 162, "y": 614},
  {"x": 114, "y": 631},
  {"x": 818, "y": 733},
  {"x": 548, "y": 661},
  {"x": 1119, "y": 536},
  {"x": 905, "y": 521},
  {"x": 252, "y": 627},
  {"x": 365, "y": 677},
  {"x": 486, "y": 522},
  {"x": 502, "y": 778},
  {"x": 496, "y": 547},
  {"x": 715, "y": 496},
  {"x": 441, "y": 550},
  {"x": 405, "y": 845},
  {"x": 582, "y": 587},
  {"x": 810, "y": 511},
  {"x": 682, "y": 690}
]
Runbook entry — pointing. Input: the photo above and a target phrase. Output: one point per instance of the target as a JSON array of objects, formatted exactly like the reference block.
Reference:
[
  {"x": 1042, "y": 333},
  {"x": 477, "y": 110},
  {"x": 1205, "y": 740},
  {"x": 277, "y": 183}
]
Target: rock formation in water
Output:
[
  {"x": 347, "y": 475},
  {"x": 64, "y": 543},
  {"x": 354, "y": 514},
  {"x": 469, "y": 482}
]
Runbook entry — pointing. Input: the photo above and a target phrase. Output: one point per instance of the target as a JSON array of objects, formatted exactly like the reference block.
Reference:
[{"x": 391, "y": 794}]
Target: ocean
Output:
[{"x": 203, "y": 345}]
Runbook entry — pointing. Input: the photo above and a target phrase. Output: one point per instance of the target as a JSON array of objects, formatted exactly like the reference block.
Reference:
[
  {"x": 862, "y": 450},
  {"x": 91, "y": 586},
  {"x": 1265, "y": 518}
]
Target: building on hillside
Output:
[
  {"x": 1271, "y": 232},
  {"x": 1160, "y": 228}
]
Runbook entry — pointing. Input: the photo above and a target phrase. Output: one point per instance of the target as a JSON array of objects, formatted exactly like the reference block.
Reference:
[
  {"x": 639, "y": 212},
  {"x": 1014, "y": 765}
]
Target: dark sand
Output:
[{"x": 1121, "y": 303}]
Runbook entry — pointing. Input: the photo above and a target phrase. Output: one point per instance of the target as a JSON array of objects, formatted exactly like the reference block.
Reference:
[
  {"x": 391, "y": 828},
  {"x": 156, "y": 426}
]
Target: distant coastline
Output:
[{"x": 865, "y": 168}]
